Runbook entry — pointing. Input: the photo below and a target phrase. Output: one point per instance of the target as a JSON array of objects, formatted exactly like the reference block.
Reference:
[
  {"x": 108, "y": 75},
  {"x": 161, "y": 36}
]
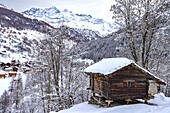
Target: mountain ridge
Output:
[
  {"x": 55, "y": 17},
  {"x": 10, "y": 18}
]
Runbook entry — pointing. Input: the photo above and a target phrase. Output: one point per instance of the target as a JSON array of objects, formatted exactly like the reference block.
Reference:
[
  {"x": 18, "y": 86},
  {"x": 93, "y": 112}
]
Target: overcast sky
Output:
[{"x": 96, "y": 8}]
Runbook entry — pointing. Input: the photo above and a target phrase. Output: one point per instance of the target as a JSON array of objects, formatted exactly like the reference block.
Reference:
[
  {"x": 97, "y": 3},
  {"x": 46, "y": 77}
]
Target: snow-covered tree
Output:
[
  {"x": 146, "y": 24},
  {"x": 56, "y": 81},
  {"x": 4, "y": 102},
  {"x": 141, "y": 20}
]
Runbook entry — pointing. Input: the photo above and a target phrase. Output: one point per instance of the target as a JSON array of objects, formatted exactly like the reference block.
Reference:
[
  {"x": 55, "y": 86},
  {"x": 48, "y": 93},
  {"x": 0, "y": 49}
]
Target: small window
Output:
[{"x": 129, "y": 83}]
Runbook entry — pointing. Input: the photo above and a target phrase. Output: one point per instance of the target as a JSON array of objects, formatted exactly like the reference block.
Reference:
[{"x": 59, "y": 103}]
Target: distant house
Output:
[
  {"x": 121, "y": 79},
  {"x": 12, "y": 74},
  {"x": 2, "y": 74}
]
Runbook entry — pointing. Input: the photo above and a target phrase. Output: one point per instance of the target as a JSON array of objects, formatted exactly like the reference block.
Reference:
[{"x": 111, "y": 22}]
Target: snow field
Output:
[{"x": 162, "y": 105}]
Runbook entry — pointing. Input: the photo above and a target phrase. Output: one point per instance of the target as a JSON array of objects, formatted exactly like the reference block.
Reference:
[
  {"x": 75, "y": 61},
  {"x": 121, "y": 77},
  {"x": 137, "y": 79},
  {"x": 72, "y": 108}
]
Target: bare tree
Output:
[{"x": 141, "y": 20}]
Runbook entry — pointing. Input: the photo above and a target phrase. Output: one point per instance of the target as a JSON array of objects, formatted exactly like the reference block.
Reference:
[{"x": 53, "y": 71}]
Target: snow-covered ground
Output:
[
  {"x": 12, "y": 38},
  {"x": 4, "y": 84},
  {"x": 162, "y": 105}
]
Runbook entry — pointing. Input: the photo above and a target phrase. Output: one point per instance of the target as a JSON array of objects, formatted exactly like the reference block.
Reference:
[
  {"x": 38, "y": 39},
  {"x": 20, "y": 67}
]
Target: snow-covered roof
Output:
[
  {"x": 108, "y": 65},
  {"x": 2, "y": 71}
]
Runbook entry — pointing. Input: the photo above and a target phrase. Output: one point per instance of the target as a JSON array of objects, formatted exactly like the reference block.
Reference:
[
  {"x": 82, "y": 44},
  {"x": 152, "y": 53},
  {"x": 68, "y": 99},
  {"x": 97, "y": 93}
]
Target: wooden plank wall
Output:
[
  {"x": 101, "y": 85},
  {"x": 137, "y": 88},
  {"x": 114, "y": 86}
]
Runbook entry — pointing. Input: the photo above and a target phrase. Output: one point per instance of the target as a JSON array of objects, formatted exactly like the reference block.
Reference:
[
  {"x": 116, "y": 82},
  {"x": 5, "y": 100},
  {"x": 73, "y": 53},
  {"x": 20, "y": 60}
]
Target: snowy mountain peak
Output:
[
  {"x": 37, "y": 12},
  {"x": 56, "y": 17},
  {"x": 52, "y": 9},
  {"x": 2, "y": 5},
  {"x": 65, "y": 10}
]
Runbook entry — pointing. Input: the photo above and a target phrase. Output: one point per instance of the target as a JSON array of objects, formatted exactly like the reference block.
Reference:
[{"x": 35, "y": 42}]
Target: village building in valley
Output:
[{"x": 121, "y": 79}]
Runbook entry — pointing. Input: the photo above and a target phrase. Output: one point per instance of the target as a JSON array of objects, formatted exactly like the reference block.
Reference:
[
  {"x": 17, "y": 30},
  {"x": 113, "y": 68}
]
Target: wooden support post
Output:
[
  {"x": 88, "y": 95},
  {"x": 146, "y": 100},
  {"x": 108, "y": 102},
  {"x": 128, "y": 100},
  {"x": 2, "y": 76}
]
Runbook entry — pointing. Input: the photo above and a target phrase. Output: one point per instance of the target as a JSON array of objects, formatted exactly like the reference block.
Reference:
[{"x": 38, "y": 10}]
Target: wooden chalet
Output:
[
  {"x": 2, "y": 75},
  {"x": 121, "y": 79},
  {"x": 12, "y": 74}
]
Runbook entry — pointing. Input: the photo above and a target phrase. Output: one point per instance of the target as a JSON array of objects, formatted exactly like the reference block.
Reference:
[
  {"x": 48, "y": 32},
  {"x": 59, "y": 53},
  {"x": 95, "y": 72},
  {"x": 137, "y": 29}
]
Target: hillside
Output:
[
  {"x": 59, "y": 45},
  {"x": 16, "y": 45},
  {"x": 16, "y": 20}
]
